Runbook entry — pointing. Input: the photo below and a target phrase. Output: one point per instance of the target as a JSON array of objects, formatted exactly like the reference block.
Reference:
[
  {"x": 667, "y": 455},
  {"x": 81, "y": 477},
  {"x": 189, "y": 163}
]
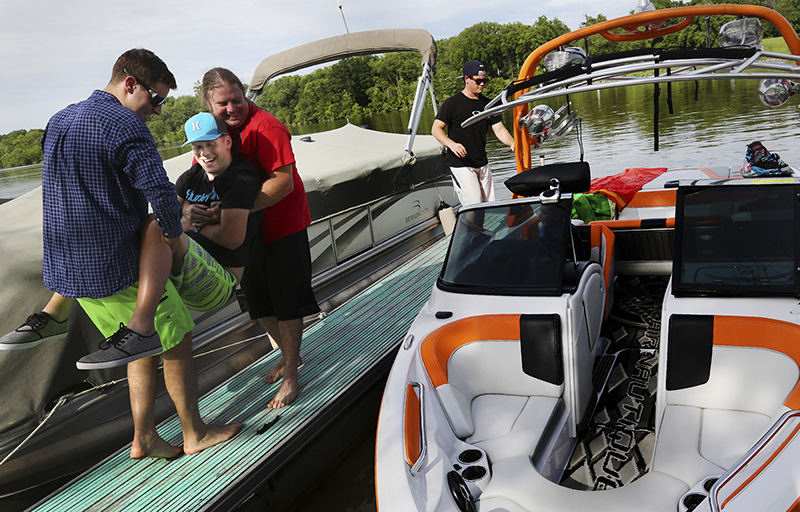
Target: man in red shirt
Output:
[{"x": 278, "y": 284}]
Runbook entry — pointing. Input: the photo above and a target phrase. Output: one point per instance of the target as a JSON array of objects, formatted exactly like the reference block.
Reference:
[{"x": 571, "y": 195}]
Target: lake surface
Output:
[{"x": 710, "y": 131}]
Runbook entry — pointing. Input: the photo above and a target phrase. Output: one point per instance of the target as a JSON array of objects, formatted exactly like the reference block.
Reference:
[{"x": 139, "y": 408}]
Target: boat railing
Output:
[
  {"x": 353, "y": 230},
  {"x": 755, "y": 462},
  {"x": 626, "y": 71},
  {"x": 424, "y": 84},
  {"x": 423, "y": 442}
]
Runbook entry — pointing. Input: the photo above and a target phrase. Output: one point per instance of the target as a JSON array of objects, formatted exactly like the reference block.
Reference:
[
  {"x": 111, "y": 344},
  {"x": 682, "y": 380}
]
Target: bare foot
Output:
[
  {"x": 214, "y": 434},
  {"x": 275, "y": 374},
  {"x": 286, "y": 394},
  {"x": 153, "y": 447}
]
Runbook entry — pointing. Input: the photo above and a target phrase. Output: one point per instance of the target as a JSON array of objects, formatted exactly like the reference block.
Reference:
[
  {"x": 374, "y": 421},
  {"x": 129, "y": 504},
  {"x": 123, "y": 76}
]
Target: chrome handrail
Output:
[
  {"x": 616, "y": 72},
  {"x": 423, "y": 453},
  {"x": 745, "y": 460}
]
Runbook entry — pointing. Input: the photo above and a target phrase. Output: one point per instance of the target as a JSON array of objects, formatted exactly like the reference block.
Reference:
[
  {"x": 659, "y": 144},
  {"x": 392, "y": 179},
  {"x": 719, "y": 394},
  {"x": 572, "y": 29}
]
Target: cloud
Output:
[{"x": 57, "y": 52}]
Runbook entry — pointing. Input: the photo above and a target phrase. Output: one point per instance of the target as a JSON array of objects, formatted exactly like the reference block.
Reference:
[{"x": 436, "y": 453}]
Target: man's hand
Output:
[
  {"x": 200, "y": 215},
  {"x": 437, "y": 130},
  {"x": 458, "y": 149}
]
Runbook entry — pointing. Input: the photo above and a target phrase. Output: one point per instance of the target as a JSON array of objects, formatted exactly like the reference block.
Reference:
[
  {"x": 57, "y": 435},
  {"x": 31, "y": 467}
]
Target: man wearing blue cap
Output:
[
  {"x": 466, "y": 155},
  {"x": 229, "y": 180}
]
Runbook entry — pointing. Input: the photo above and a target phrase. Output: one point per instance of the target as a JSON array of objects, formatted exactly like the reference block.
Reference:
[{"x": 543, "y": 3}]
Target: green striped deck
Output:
[{"x": 336, "y": 351}]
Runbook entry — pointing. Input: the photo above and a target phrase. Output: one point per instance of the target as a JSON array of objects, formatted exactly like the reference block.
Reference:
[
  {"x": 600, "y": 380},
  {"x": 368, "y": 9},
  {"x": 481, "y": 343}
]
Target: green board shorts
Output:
[
  {"x": 173, "y": 320},
  {"x": 203, "y": 284}
]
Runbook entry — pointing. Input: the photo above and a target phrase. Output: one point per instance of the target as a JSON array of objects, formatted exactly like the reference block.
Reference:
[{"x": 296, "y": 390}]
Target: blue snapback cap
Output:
[{"x": 202, "y": 127}]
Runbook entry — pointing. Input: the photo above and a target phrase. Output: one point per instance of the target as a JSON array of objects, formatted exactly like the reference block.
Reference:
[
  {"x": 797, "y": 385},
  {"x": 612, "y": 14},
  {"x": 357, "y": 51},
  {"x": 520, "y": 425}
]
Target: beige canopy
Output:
[{"x": 338, "y": 47}]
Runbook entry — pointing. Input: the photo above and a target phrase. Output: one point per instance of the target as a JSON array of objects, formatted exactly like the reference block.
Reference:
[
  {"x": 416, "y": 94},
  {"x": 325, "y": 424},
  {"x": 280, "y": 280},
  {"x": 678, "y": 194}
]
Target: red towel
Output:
[{"x": 621, "y": 187}]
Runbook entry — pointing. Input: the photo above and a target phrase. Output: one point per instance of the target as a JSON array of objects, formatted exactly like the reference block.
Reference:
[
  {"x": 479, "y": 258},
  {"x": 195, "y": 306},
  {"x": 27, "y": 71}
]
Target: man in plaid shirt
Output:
[{"x": 101, "y": 170}]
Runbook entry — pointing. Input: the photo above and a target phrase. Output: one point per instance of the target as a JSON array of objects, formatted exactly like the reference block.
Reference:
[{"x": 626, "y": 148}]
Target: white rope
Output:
[
  {"x": 225, "y": 347},
  {"x": 60, "y": 402}
]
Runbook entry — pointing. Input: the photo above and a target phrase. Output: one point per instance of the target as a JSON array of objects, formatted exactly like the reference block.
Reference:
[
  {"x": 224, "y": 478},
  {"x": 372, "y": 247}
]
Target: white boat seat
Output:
[
  {"x": 472, "y": 370},
  {"x": 747, "y": 378},
  {"x": 506, "y": 426},
  {"x": 504, "y": 416},
  {"x": 517, "y": 487},
  {"x": 464, "y": 359},
  {"x": 678, "y": 446}
]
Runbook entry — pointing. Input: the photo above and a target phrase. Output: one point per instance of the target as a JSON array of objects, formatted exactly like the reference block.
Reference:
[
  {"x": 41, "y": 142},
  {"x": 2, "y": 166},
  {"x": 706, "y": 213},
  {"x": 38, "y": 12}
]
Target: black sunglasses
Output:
[
  {"x": 480, "y": 81},
  {"x": 155, "y": 98}
]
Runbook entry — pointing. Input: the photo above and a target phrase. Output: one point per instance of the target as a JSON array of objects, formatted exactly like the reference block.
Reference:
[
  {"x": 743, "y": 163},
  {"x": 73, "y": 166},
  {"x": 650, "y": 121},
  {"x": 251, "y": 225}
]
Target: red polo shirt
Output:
[{"x": 266, "y": 143}]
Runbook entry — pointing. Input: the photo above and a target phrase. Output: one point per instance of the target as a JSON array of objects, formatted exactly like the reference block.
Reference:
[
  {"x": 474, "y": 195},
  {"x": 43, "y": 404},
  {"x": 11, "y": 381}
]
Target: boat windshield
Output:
[
  {"x": 736, "y": 240},
  {"x": 516, "y": 249}
]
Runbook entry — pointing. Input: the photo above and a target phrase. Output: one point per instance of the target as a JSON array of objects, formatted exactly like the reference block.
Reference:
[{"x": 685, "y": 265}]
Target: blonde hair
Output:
[{"x": 219, "y": 77}]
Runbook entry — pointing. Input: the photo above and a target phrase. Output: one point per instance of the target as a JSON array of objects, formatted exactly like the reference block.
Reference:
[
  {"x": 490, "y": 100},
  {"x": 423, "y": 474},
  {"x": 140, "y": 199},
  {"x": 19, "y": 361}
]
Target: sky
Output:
[{"x": 56, "y": 52}]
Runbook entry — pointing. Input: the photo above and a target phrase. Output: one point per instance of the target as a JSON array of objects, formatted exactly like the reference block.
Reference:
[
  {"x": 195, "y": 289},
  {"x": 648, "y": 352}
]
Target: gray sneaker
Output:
[
  {"x": 38, "y": 328},
  {"x": 121, "y": 348}
]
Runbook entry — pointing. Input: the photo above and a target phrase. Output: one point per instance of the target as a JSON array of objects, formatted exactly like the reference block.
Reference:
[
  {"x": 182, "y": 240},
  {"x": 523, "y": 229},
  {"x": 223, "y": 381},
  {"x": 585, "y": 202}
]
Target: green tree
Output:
[
  {"x": 21, "y": 147},
  {"x": 167, "y": 128}
]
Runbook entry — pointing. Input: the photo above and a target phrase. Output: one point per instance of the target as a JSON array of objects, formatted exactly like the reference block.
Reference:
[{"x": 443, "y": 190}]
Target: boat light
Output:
[
  {"x": 538, "y": 120},
  {"x": 741, "y": 32},
  {"x": 563, "y": 125},
  {"x": 774, "y": 92},
  {"x": 572, "y": 56},
  {"x": 543, "y": 124}
]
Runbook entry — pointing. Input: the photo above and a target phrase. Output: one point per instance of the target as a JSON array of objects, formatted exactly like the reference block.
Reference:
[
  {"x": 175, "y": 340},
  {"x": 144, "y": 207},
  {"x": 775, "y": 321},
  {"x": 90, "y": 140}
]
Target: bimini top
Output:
[{"x": 347, "y": 45}]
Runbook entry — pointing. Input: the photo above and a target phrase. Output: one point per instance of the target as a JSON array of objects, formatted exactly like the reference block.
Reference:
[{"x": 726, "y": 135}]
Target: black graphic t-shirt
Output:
[
  {"x": 237, "y": 187},
  {"x": 455, "y": 110}
]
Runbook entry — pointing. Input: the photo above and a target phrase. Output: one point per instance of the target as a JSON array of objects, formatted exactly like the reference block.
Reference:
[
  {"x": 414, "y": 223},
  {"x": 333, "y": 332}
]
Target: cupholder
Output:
[
  {"x": 474, "y": 473},
  {"x": 470, "y": 456},
  {"x": 692, "y": 500},
  {"x": 477, "y": 478},
  {"x": 709, "y": 483}
]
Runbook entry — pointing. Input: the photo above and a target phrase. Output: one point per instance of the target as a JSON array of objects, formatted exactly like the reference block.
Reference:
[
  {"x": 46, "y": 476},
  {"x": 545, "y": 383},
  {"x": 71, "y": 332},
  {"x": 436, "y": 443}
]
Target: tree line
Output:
[{"x": 375, "y": 84}]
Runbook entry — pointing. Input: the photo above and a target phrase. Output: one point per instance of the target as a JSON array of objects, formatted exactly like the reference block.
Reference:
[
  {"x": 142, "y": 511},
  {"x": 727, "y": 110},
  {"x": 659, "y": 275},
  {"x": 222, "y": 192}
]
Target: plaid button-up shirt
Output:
[{"x": 101, "y": 169}]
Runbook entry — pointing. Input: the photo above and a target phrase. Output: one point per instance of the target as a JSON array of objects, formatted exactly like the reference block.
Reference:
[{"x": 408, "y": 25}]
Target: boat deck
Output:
[{"x": 339, "y": 352}]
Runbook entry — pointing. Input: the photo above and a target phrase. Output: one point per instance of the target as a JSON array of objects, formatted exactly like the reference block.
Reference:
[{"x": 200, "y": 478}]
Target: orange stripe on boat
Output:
[
  {"x": 597, "y": 232},
  {"x": 438, "y": 345},
  {"x": 767, "y": 333},
  {"x": 762, "y": 468},
  {"x": 648, "y": 199},
  {"x": 413, "y": 426},
  {"x": 632, "y": 223},
  {"x": 795, "y": 507}
]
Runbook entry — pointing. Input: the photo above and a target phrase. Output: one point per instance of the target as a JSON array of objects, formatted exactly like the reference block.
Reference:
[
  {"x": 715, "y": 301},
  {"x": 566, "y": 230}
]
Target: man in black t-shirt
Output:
[
  {"x": 213, "y": 256},
  {"x": 466, "y": 153}
]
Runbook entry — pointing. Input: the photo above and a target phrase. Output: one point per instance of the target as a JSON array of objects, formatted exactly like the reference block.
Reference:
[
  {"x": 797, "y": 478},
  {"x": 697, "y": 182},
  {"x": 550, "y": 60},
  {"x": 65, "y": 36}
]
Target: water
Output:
[
  {"x": 711, "y": 131},
  {"x": 19, "y": 180}
]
